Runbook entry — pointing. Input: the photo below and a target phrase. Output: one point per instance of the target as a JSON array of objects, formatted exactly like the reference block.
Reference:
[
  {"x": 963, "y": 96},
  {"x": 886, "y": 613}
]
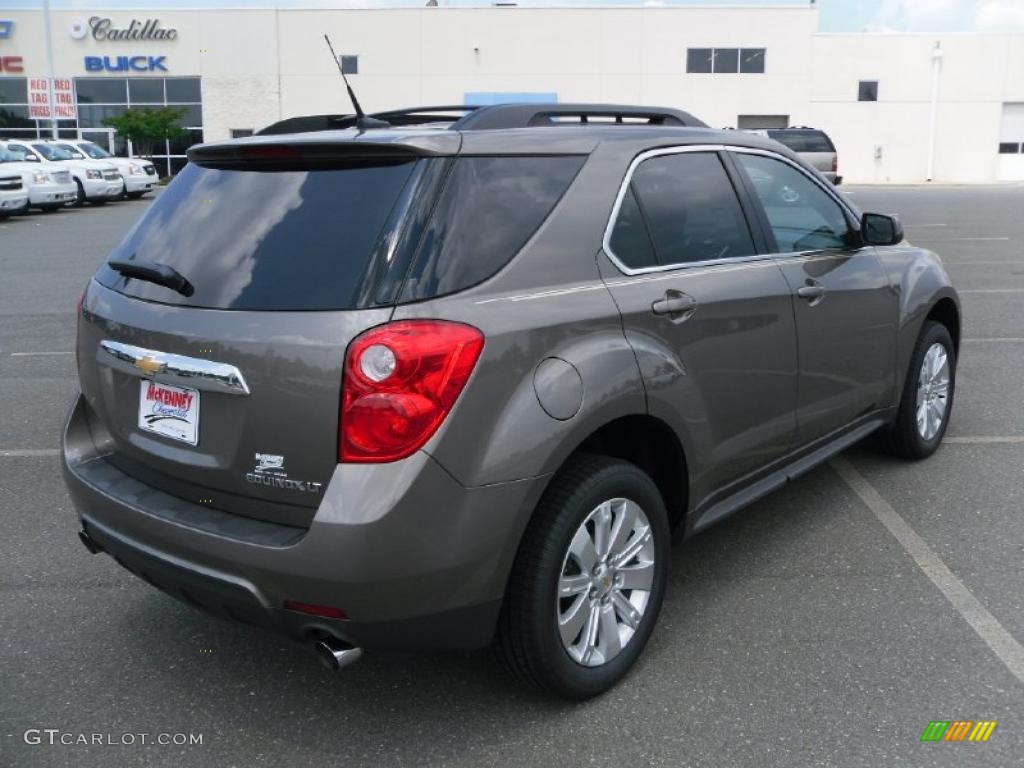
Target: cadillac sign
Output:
[{"x": 103, "y": 30}]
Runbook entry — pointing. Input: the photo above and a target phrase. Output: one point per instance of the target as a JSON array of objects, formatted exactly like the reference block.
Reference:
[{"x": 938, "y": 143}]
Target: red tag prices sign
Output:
[{"x": 39, "y": 106}]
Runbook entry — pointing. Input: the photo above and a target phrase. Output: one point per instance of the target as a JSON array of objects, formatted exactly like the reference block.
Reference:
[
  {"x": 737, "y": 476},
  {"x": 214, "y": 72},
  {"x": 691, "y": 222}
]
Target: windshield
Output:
[
  {"x": 803, "y": 140},
  {"x": 18, "y": 152},
  {"x": 52, "y": 152},
  {"x": 94, "y": 150},
  {"x": 71, "y": 151}
]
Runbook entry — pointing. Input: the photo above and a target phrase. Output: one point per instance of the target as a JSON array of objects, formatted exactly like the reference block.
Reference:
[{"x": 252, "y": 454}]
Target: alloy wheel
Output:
[
  {"x": 605, "y": 583},
  {"x": 932, "y": 391}
]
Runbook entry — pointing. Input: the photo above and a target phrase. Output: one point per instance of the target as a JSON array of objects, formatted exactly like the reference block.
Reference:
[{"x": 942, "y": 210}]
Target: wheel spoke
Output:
[
  {"x": 625, "y": 609},
  {"x": 609, "y": 641},
  {"x": 625, "y": 521},
  {"x": 573, "y": 585},
  {"x": 632, "y": 549},
  {"x": 639, "y": 576},
  {"x": 589, "y": 639},
  {"x": 603, "y": 528},
  {"x": 571, "y": 622},
  {"x": 582, "y": 548}
]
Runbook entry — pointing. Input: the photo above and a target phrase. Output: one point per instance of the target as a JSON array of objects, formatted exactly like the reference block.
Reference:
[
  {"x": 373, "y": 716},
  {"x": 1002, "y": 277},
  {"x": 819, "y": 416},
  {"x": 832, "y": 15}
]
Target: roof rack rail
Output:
[
  {"x": 468, "y": 117},
  {"x": 395, "y": 117},
  {"x": 534, "y": 115}
]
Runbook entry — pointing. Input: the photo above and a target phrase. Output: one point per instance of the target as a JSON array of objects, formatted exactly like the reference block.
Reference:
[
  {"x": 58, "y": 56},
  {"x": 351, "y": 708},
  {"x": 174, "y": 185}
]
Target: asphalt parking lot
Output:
[{"x": 824, "y": 626}]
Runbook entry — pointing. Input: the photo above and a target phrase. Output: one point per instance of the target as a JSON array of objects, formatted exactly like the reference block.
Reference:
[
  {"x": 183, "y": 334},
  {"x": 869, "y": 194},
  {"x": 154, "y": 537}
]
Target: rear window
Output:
[
  {"x": 265, "y": 240},
  {"x": 489, "y": 209},
  {"x": 803, "y": 141}
]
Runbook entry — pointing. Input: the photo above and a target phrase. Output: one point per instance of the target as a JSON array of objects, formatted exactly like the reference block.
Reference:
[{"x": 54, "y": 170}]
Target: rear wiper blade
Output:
[{"x": 153, "y": 272}]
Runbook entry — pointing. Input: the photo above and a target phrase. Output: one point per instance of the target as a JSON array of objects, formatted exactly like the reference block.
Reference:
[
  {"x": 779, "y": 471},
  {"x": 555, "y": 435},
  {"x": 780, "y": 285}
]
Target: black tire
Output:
[
  {"x": 50, "y": 207},
  {"x": 79, "y": 195},
  {"x": 903, "y": 438},
  {"x": 134, "y": 195},
  {"x": 528, "y": 642}
]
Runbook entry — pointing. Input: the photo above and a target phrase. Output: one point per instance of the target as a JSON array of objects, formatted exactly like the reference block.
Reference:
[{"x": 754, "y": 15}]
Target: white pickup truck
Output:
[
  {"x": 96, "y": 181},
  {"x": 48, "y": 187},
  {"x": 139, "y": 175}
]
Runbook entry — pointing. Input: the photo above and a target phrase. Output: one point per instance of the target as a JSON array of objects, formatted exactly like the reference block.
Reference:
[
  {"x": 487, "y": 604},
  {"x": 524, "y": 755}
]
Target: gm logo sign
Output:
[{"x": 6, "y": 29}]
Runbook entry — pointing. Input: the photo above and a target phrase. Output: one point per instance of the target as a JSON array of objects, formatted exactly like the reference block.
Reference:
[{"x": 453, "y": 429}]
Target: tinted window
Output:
[
  {"x": 350, "y": 65},
  {"x": 13, "y": 90},
  {"x": 489, "y": 208},
  {"x": 100, "y": 91},
  {"x": 630, "y": 241},
  {"x": 752, "y": 60},
  {"x": 727, "y": 60},
  {"x": 183, "y": 89},
  {"x": 691, "y": 208},
  {"x": 867, "y": 90},
  {"x": 1009, "y": 148},
  {"x": 801, "y": 215},
  {"x": 144, "y": 90},
  {"x": 264, "y": 240},
  {"x": 803, "y": 140},
  {"x": 698, "y": 59}
]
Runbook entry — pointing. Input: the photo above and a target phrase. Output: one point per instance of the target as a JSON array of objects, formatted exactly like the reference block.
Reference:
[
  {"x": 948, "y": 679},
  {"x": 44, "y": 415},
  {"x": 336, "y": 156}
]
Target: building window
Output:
[
  {"x": 867, "y": 90},
  {"x": 1010, "y": 148},
  {"x": 752, "y": 60},
  {"x": 699, "y": 59},
  {"x": 349, "y": 64},
  {"x": 241, "y": 133},
  {"x": 725, "y": 60}
]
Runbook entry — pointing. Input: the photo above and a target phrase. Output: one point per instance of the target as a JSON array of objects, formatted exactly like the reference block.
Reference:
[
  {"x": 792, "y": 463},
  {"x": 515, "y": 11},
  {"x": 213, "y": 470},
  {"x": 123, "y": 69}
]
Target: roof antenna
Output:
[{"x": 363, "y": 122}]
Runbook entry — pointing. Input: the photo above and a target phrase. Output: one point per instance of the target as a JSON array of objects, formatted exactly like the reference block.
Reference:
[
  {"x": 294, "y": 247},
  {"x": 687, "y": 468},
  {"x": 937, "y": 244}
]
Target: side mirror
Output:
[{"x": 880, "y": 229}]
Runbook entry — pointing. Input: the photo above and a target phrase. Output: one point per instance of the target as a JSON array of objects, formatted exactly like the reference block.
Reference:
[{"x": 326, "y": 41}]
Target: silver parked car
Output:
[
  {"x": 812, "y": 145},
  {"x": 452, "y": 385}
]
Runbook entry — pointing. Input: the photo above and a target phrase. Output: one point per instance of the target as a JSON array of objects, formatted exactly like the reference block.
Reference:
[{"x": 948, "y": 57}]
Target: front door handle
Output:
[
  {"x": 813, "y": 291},
  {"x": 674, "y": 304}
]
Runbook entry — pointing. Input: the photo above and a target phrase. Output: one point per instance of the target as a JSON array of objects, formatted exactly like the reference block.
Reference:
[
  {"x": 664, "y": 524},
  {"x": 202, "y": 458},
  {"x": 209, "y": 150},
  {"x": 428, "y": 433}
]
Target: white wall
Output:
[{"x": 260, "y": 65}]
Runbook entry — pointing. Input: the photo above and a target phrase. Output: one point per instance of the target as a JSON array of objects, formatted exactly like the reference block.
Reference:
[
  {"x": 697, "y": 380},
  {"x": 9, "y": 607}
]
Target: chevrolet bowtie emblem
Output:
[{"x": 150, "y": 365}]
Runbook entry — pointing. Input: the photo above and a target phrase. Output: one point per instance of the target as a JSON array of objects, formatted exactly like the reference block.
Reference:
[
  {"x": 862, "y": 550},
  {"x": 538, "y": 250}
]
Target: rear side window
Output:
[
  {"x": 803, "y": 141},
  {"x": 690, "y": 209},
  {"x": 265, "y": 240},
  {"x": 488, "y": 210}
]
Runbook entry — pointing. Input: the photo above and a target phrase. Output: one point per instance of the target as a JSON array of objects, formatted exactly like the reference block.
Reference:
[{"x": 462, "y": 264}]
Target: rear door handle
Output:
[
  {"x": 813, "y": 291},
  {"x": 674, "y": 304}
]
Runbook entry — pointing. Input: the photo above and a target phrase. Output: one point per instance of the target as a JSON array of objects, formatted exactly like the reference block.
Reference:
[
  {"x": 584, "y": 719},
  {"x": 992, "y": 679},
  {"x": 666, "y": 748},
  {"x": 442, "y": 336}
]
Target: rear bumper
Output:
[{"x": 416, "y": 561}]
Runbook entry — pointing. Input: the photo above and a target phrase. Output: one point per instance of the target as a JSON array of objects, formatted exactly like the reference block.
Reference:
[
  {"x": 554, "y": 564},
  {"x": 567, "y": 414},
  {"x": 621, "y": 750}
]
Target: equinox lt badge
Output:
[{"x": 269, "y": 471}]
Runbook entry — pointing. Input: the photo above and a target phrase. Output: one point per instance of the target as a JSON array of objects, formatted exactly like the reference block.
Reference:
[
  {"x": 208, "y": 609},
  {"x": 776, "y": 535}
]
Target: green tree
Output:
[{"x": 145, "y": 127}]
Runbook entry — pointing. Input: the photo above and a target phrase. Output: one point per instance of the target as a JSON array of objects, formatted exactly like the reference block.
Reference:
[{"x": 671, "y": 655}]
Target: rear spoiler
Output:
[{"x": 290, "y": 155}]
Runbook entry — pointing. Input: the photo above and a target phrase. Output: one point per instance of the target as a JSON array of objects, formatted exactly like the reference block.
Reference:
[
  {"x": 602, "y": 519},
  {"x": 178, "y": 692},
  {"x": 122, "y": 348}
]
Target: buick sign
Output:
[{"x": 125, "y": 64}]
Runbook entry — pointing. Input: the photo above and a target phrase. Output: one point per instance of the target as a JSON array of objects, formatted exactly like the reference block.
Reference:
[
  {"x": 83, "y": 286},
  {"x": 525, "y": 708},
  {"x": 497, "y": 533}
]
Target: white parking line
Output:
[
  {"x": 994, "y": 440},
  {"x": 924, "y": 225},
  {"x": 1002, "y": 643},
  {"x": 1003, "y": 340},
  {"x": 21, "y": 452},
  {"x": 992, "y": 290},
  {"x": 38, "y": 354},
  {"x": 960, "y": 239}
]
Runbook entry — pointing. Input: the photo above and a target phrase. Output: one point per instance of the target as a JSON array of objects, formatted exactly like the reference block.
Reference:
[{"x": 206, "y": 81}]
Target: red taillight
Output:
[
  {"x": 400, "y": 381},
  {"x": 327, "y": 611},
  {"x": 835, "y": 163}
]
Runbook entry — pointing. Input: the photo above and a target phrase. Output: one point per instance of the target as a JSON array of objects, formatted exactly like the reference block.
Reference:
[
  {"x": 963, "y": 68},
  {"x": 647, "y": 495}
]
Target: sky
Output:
[{"x": 835, "y": 15}]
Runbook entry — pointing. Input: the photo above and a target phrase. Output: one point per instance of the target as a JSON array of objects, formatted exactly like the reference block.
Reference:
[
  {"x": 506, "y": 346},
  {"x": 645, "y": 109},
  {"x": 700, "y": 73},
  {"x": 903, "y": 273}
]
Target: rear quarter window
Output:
[
  {"x": 803, "y": 141},
  {"x": 489, "y": 208}
]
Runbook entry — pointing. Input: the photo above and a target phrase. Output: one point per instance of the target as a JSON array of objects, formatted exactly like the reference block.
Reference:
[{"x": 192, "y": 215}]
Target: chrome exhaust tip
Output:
[{"x": 335, "y": 654}]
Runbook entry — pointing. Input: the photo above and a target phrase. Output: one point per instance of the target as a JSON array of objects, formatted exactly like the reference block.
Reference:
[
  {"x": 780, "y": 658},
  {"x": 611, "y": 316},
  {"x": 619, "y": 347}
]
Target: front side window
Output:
[
  {"x": 801, "y": 215},
  {"x": 21, "y": 153},
  {"x": 690, "y": 210}
]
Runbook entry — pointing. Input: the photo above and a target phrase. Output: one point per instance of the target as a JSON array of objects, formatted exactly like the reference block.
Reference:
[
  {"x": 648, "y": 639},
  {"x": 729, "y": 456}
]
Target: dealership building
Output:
[{"x": 899, "y": 107}]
